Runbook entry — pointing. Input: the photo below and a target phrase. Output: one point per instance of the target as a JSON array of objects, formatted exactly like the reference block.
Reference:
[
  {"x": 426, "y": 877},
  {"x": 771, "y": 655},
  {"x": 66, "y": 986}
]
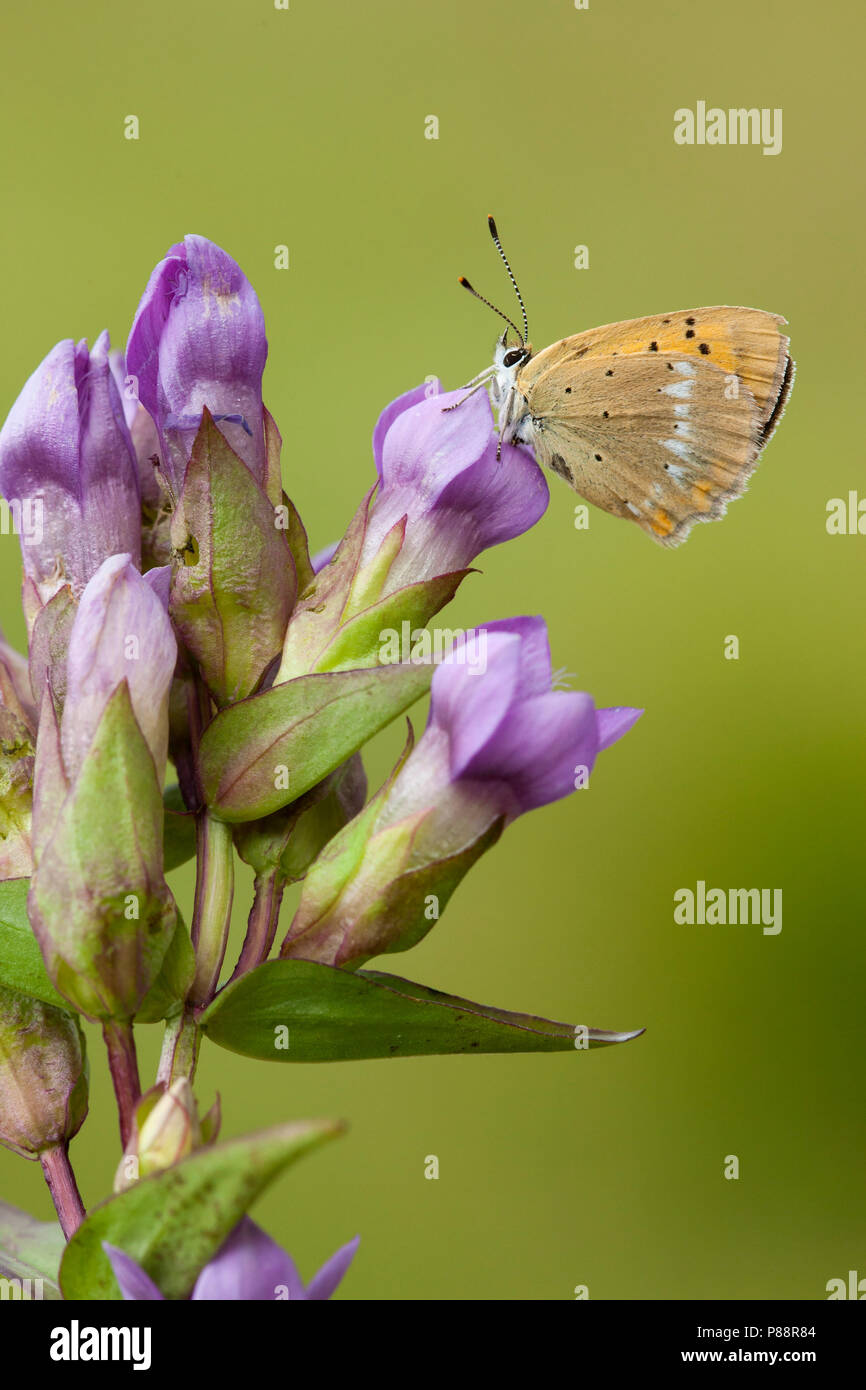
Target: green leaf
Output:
[
  {"x": 103, "y": 854},
  {"x": 334, "y": 1015},
  {"x": 172, "y": 1223},
  {"x": 30, "y": 1249},
  {"x": 358, "y": 642},
  {"x": 178, "y": 838},
  {"x": 21, "y": 963},
  {"x": 233, "y": 579},
  {"x": 308, "y": 726}
]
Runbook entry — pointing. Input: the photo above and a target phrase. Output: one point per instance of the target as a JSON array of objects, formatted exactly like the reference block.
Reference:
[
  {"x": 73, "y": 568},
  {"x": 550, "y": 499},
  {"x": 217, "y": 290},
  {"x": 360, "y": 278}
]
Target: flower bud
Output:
[
  {"x": 98, "y": 901},
  {"x": 198, "y": 340},
  {"x": 43, "y": 1074},
  {"x": 166, "y": 1129},
  {"x": 67, "y": 460}
]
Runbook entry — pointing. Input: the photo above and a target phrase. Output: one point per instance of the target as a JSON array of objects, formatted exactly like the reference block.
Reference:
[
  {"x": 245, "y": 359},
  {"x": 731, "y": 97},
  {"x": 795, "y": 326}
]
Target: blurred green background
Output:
[{"x": 306, "y": 127}]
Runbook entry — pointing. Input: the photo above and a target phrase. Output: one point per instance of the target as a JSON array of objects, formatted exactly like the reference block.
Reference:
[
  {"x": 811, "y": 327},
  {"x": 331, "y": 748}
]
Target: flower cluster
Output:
[{"x": 176, "y": 620}]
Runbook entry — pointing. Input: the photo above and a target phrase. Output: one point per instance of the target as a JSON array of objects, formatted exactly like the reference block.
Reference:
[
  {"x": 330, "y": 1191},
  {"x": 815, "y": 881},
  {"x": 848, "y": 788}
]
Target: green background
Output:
[{"x": 306, "y": 127}]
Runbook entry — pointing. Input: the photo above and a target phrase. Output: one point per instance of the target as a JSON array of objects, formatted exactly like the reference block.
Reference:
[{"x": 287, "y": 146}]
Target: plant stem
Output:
[
  {"x": 214, "y": 890},
  {"x": 63, "y": 1188},
  {"x": 262, "y": 923},
  {"x": 123, "y": 1062},
  {"x": 179, "y": 1048}
]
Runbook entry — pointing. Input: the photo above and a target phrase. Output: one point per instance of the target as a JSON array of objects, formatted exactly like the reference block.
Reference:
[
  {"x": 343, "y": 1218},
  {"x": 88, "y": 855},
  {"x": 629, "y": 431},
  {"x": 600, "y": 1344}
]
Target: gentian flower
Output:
[
  {"x": 439, "y": 475},
  {"x": 66, "y": 456},
  {"x": 499, "y": 742},
  {"x": 249, "y": 1266},
  {"x": 198, "y": 339},
  {"x": 445, "y": 492}
]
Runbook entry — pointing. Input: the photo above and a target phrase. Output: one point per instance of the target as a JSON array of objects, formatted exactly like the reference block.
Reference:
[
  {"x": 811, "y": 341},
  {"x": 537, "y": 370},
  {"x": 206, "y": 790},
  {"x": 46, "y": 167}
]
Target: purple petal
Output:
[
  {"x": 323, "y": 1284},
  {"x": 472, "y": 706},
  {"x": 142, "y": 350},
  {"x": 535, "y": 664},
  {"x": 198, "y": 340},
  {"x": 506, "y": 496},
  {"x": 390, "y": 413},
  {"x": 324, "y": 557},
  {"x": 66, "y": 444},
  {"x": 159, "y": 580},
  {"x": 438, "y": 468},
  {"x": 121, "y": 632},
  {"x": 135, "y": 1285},
  {"x": 538, "y": 746},
  {"x": 249, "y": 1266},
  {"x": 613, "y": 723}
]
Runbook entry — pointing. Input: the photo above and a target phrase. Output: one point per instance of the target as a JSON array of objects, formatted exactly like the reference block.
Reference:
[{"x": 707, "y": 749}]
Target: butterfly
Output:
[{"x": 660, "y": 420}]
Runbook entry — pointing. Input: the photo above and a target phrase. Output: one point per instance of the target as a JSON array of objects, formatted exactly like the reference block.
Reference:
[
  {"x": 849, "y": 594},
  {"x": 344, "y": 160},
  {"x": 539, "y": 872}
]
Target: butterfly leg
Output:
[{"x": 446, "y": 408}]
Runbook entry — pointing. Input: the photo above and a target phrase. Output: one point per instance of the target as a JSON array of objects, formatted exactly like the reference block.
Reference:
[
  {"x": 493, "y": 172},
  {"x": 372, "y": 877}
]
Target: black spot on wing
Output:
[{"x": 559, "y": 465}]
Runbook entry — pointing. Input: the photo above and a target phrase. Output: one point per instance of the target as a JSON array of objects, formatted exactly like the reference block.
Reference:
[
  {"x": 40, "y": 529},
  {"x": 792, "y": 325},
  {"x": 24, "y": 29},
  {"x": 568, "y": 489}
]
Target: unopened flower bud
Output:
[{"x": 43, "y": 1074}]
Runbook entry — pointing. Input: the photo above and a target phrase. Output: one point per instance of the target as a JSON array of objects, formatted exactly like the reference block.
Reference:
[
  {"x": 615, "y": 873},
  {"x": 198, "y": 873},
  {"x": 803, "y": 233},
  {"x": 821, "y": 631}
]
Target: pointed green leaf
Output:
[
  {"x": 21, "y": 963},
  {"x": 334, "y": 1015},
  {"x": 359, "y": 641},
  {"x": 305, "y": 729},
  {"x": 172, "y": 1223},
  {"x": 98, "y": 902},
  {"x": 233, "y": 581},
  {"x": 30, "y": 1250}
]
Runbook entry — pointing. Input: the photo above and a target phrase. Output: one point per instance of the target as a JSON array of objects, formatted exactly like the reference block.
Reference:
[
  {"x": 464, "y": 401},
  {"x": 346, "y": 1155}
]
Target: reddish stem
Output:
[
  {"x": 63, "y": 1188},
  {"x": 123, "y": 1062},
  {"x": 262, "y": 923}
]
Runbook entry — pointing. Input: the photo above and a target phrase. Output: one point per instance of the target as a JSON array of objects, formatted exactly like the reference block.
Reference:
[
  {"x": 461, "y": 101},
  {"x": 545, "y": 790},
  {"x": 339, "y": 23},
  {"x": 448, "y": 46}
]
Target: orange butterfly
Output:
[{"x": 660, "y": 420}]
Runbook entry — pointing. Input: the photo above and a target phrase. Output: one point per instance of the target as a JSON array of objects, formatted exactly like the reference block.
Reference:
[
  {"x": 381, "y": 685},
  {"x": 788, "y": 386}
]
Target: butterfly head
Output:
[{"x": 507, "y": 361}]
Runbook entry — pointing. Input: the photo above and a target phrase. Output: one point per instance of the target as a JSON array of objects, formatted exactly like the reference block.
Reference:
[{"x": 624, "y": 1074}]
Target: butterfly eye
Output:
[{"x": 512, "y": 358}]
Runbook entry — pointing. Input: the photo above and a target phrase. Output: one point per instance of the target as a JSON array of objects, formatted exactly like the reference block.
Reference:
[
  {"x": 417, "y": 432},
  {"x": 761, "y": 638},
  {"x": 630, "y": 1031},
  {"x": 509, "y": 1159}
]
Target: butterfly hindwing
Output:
[{"x": 659, "y": 438}]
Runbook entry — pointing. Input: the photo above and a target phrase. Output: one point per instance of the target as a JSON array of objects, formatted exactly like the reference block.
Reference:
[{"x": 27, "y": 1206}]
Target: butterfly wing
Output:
[{"x": 656, "y": 426}]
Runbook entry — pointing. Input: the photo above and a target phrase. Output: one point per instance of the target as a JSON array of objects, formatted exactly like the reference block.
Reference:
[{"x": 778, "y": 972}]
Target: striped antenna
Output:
[
  {"x": 466, "y": 285},
  {"x": 493, "y": 232}
]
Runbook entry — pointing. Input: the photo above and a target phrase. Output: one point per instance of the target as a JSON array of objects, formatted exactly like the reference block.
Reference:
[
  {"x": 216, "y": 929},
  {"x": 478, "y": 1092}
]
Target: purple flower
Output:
[
  {"x": 198, "y": 339},
  {"x": 67, "y": 460},
  {"x": 249, "y": 1266},
  {"x": 499, "y": 741},
  {"x": 495, "y": 720},
  {"x": 438, "y": 469}
]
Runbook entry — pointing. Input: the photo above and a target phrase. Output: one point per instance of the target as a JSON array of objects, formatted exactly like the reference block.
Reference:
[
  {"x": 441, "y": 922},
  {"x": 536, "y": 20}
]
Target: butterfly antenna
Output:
[
  {"x": 466, "y": 285},
  {"x": 493, "y": 232}
]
